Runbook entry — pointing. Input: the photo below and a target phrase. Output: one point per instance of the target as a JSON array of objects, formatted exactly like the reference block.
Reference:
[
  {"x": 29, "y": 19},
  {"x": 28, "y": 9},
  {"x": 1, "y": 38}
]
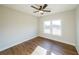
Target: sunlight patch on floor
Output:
[{"x": 40, "y": 51}]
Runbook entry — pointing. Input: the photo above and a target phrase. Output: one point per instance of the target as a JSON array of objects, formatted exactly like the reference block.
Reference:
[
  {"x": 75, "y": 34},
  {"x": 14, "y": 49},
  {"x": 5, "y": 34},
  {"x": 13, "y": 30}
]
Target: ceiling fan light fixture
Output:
[{"x": 41, "y": 12}]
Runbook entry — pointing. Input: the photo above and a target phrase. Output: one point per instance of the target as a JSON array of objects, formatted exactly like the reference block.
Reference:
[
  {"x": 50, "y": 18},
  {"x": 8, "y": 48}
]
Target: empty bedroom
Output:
[{"x": 39, "y": 29}]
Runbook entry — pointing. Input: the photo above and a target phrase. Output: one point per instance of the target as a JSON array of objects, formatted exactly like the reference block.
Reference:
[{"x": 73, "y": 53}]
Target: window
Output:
[
  {"x": 56, "y": 27},
  {"x": 52, "y": 27},
  {"x": 47, "y": 25}
]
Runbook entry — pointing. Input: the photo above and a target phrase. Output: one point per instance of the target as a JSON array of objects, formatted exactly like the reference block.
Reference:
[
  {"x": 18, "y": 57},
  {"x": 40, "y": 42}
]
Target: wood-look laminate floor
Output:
[{"x": 41, "y": 46}]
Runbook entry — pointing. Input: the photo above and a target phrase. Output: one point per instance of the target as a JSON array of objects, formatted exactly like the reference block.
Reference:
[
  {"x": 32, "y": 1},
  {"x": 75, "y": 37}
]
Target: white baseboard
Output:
[
  {"x": 9, "y": 45},
  {"x": 60, "y": 41},
  {"x": 77, "y": 50}
]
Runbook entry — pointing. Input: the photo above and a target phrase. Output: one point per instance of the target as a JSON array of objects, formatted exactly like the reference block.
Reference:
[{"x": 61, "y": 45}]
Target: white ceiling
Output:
[{"x": 55, "y": 8}]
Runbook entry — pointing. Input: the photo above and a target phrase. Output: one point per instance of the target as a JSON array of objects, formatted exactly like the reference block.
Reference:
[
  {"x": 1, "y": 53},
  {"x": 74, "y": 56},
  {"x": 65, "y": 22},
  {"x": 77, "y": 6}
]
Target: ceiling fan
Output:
[{"x": 40, "y": 8}]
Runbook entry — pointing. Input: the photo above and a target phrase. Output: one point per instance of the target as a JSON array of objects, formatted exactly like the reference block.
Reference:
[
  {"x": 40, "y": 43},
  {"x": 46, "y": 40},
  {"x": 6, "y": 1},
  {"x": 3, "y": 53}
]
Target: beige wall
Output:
[
  {"x": 68, "y": 27},
  {"x": 16, "y": 27},
  {"x": 77, "y": 29},
  {"x": 0, "y": 24}
]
